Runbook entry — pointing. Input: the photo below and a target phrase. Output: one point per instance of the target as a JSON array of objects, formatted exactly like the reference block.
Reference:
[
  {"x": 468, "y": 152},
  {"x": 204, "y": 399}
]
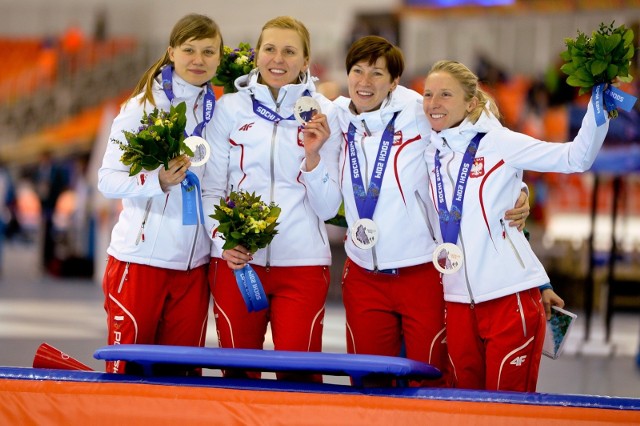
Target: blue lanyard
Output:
[
  {"x": 209, "y": 99},
  {"x": 366, "y": 201},
  {"x": 190, "y": 197},
  {"x": 450, "y": 219},
  {"x": 267, "y": 113}
]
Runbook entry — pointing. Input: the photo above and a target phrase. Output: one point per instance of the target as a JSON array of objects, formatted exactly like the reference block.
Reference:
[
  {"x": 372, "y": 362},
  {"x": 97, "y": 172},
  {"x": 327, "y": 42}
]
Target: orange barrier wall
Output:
[{"x": 73, "y": 403}]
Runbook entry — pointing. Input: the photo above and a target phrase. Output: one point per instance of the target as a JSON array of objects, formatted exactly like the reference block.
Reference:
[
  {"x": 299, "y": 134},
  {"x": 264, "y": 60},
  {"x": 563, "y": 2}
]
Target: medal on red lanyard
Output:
[
  {"x": 364, "y": 232},
  {"x": 448, "y": 257}
]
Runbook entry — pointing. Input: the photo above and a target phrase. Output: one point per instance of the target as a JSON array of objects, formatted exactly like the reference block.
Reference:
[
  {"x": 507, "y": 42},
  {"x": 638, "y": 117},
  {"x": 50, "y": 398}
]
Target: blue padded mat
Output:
[{"x": 337, "y": 364}]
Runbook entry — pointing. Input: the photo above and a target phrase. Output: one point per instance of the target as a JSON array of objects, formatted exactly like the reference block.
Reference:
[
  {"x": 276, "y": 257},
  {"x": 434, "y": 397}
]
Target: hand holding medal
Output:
[{"x": 305, "y": 108}]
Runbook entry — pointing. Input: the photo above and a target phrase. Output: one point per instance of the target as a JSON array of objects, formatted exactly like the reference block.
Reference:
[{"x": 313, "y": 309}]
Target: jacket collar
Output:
[
  {"x": 181, "y": 89},
  {"x": 457, "y": 138}
]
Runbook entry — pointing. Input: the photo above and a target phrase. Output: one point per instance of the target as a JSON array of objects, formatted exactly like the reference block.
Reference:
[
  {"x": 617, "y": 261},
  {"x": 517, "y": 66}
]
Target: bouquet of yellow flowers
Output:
[
  {"x": 247, "y": 221},
  {"x": 159, "y": 139},
  {"x": 599, "y": 59},
  {"x": 234, "y": 63},
  {"x": 244, "y": 219}
]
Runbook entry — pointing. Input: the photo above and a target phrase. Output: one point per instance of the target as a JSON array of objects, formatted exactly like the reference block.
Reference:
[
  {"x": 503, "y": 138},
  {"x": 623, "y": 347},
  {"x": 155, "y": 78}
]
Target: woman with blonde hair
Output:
[
  {"x": 492, "y": 279},
  {"x": 258, "y": 146}
]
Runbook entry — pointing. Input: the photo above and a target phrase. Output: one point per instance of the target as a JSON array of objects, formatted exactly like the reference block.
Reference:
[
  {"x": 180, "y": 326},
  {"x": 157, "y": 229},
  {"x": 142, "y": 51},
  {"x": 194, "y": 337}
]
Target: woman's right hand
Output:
[
  {"x": 237, "y": 257},
  {"x": 176, "y": 172},
  {"x": 316, "y": 132}
]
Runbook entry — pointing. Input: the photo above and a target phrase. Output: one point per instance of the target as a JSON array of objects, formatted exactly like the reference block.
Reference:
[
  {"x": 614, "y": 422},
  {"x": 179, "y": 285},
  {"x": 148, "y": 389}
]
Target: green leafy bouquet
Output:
[
  {"x": 601, "y": 58},
  {"x": 159, "y": 139},
  {"x": 246, "y": 220},
  {"x": 234, "y": 63}
]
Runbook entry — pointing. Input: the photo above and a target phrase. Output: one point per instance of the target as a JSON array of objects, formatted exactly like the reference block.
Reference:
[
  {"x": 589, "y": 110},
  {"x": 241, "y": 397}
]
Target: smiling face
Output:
[
  {"x": 280, "y": 58},
  {"x": 196, "y": 61},
  {"x": 369, "y": 84},
  {"x": 444, "y": 101}
]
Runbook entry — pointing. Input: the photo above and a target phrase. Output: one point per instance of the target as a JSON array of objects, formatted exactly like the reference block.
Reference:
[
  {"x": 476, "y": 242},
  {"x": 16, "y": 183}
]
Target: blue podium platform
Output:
[{"x": 355, "y": 366}]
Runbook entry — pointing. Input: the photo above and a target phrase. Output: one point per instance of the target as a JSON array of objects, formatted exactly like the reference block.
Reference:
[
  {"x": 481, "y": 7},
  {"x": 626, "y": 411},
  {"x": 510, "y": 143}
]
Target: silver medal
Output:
[
  {"x": 305, "y": 108},
  {"x": 448, "y": 258},
  {"x": 201, "y": 150},
  {"x": 364, "y": 233}
]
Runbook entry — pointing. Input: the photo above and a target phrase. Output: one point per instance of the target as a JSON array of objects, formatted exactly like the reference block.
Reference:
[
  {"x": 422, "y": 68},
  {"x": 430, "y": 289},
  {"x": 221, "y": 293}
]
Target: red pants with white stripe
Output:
[
  {"x": 151, "y": 305},
  {"x": 385, "y": 311},
  {"x": 296, "y": 295},
  {"x": 497, "y": 345}
]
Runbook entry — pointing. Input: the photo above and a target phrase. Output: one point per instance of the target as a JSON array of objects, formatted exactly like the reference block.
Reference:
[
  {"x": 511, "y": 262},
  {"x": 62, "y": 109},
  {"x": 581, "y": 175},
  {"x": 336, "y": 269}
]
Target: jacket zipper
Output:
[
  {"x": 423, "y": 209},
  {"x": 144, "y": 222},
  {"x": 124, "y": 277},
  {"x": 472, "y": 302},
  {"x": 272, "y": 177},
  {"x": 505, "y": 235}
]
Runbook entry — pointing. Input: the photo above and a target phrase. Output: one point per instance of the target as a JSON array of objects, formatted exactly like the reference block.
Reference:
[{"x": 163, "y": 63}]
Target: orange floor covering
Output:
[{"x": 72, "y": 403}]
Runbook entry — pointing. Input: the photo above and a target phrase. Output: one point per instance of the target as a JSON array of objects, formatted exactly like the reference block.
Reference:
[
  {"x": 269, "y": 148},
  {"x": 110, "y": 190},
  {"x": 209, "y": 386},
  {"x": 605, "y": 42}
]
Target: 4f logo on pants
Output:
[{"x": 519, "y": 360}]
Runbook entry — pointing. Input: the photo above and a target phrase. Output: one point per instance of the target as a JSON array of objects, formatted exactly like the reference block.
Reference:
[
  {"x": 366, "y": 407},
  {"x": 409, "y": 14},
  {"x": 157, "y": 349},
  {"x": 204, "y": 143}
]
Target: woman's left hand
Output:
[{"x": 517, "y": 216}]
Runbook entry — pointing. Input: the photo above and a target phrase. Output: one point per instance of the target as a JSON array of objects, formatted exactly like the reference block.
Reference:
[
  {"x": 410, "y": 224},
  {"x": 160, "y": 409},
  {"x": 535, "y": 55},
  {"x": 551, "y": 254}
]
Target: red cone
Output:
[{"x": 49, "y": 357}]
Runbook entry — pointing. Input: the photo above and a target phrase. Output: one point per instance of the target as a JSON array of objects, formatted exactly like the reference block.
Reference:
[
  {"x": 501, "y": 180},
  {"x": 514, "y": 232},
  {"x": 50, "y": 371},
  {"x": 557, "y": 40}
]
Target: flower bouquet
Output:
[
  {"x": 159, "y": 139},
  {"x": 245, "y": 220},
  {"x": 234, "y": 63},
  {"x": 595, "y": 61}
]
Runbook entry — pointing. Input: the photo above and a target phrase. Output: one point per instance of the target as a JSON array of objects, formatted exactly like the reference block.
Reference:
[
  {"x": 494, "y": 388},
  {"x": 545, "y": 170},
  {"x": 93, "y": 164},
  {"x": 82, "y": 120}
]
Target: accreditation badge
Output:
[
  {"x": 201, "y": 150},
  {"x": 364, "y": 233},
  {"x": 305, "y": 108},
  {"x": 448, "y": 258}
]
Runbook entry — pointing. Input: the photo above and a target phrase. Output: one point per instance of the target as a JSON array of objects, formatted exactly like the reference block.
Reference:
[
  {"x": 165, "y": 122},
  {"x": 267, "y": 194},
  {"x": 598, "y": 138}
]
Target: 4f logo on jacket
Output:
[
  {"x": 246, "y": 127},
  {"x": 518, "y": 361}
]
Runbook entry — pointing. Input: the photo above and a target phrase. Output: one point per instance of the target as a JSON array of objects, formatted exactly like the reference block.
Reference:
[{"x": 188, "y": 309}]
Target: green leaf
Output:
[
  {"x": 611, "y": 42},
  {"x": 598, "y": 67},
  {"x": 574, "y": 81},
  {"x": 612, "y": 72}
]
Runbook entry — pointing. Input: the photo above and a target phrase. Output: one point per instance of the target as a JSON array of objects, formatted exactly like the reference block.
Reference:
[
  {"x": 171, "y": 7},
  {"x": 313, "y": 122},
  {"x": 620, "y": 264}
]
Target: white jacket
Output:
[
  {"x": 404, "y": 237},
  {"x": 498, "y": 259},
  {"x": 253, "y": 154},
  {"x": 147, "y": 209}
]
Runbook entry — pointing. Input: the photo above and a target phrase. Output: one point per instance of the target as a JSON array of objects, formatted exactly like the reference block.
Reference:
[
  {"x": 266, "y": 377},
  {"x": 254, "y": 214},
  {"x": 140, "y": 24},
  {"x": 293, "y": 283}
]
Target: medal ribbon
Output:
[
  {"x": 366, "y": 201},
  {"x": 251, "y": 289},
  {"x": 190, "y": 198},
  {"x": 450, "y": 219},
  {"x": 267, "y": 113},
  {"x": 612, "y": 98}
]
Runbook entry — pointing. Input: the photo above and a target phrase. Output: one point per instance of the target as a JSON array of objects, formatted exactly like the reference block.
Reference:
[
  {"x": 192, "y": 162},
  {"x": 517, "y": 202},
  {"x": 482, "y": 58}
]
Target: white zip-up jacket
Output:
[
  {"x": 257, "y": 155},
  {"x": 149, "y": 230},
  {"x": 498, "y": 259},
  {"x": 404, "y": 236}
]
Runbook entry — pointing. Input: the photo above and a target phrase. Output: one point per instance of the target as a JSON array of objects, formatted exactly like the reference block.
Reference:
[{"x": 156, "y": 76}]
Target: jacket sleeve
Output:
[
  {"x": 113, "y": 176},
  {"x": 323, "y": 188},
  {"x": 524, "y": 152}
]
